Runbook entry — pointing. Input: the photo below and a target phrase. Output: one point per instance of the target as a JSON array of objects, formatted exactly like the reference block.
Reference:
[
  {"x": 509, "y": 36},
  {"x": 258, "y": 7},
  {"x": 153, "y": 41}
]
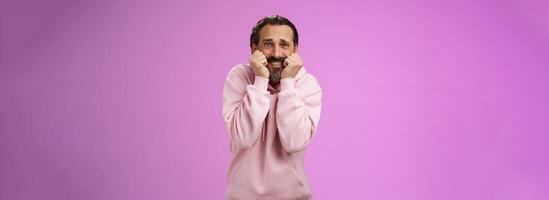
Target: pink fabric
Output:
[{"x": 269, "y": 129}]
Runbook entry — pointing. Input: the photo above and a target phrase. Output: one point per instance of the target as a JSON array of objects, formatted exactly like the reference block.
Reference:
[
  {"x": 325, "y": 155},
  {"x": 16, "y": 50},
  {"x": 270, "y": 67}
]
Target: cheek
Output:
[
  {"x": 289, "y": 52},
  {"x": 286, "y": 54},
  {"x": 265, "y": 51}
]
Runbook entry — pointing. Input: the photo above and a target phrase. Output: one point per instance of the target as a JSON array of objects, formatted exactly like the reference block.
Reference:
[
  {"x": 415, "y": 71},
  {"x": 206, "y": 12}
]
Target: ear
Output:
[
  {"x": 253, "y": 47},
  {"x": 295, "y": 49}
]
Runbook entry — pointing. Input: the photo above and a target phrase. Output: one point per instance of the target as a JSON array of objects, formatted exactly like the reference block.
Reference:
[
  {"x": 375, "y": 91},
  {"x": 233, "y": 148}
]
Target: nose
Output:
[{"x": 277, "y": 51}]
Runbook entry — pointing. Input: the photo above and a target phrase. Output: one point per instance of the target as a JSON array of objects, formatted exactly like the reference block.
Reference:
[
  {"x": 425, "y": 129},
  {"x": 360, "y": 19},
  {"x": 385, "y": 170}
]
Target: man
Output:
[{"x": 271, "y": 109}]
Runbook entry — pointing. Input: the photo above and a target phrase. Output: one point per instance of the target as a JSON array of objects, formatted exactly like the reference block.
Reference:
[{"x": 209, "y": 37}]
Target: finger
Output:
[
  {"x": 287, "y": 63},
  {"x": 290, "y": 58},
  {"x": 296, "y": 57},
  {"x": 292, "y": 55},
  {"x": 262, "y": 59},
  {"x": 258, "y": 58},
  {"x": 257, "y": 53}
]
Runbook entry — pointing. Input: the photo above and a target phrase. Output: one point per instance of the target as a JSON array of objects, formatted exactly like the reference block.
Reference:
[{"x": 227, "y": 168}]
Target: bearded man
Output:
[{"x": 271, "y": 108}]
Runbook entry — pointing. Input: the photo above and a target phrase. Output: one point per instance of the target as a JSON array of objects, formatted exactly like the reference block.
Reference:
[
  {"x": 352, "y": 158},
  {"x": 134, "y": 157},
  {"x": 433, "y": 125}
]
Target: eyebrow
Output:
[{"x": 270, "y": 40}]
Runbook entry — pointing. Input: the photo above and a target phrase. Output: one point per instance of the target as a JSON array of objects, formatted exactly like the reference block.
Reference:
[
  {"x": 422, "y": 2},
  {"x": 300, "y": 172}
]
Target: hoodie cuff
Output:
[
  {"x": 261, "y": 82},
  {"x": 287, "y": 84}
]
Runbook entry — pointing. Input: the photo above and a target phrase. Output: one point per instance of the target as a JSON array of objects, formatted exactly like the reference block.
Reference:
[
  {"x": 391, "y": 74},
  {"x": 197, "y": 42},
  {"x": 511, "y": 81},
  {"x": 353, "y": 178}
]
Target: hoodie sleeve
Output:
[
  {"x": 298, "y": 112},
  {"x": 245, "y": 107}
]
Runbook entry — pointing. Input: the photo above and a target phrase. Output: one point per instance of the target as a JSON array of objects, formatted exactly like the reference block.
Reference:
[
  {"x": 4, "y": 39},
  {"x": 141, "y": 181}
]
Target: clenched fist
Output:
[
  {"x": 293, "y": 64},
  {"x": 258, "y": 62}
]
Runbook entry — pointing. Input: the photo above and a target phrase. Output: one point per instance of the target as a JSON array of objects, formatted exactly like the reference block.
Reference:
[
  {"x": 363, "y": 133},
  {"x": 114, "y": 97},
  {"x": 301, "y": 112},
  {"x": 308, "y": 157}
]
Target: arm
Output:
[
  {"x": 298, "y": 113},
  {"x": 245, "y": 107}
]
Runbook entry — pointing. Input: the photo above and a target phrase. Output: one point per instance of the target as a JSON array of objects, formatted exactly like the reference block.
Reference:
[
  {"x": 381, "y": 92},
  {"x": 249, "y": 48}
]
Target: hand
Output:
[
  {"x": 258, "y": 62},
  {"x": 293, "y": 64}
]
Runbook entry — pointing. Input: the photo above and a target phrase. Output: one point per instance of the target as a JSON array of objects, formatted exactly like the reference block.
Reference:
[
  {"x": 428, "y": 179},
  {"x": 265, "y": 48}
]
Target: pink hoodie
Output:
[{"x": 269, "y": 130}]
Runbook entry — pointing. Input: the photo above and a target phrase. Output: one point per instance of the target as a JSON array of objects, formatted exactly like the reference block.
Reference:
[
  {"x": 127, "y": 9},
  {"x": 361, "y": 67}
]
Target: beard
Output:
[{"x": 275, "y": 73}]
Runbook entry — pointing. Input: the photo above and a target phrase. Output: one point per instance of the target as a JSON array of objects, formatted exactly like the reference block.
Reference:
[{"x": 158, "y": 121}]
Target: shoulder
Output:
[
  {"x": 240, "y": 68},
  {"x": 308, "y": 81},
  {"x": 241, "y": 72}
]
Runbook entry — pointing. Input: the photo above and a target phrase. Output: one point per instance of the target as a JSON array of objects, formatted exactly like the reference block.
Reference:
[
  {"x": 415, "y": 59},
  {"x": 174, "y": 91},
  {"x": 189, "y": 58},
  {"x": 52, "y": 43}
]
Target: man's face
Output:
[{"x": 276, "y": 43}]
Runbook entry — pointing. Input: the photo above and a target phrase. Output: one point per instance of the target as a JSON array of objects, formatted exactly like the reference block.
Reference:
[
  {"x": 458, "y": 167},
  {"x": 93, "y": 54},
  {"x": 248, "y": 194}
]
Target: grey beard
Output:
[{"x": 274, "y": 75}]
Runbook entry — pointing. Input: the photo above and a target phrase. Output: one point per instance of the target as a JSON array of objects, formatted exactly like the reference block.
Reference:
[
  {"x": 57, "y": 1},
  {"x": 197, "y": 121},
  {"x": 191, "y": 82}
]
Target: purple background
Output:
[{"x": 422, "y": 100}]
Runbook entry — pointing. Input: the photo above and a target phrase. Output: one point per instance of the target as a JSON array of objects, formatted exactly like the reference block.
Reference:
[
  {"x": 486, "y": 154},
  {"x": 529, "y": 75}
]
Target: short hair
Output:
[{"x": 272, "y": 20}]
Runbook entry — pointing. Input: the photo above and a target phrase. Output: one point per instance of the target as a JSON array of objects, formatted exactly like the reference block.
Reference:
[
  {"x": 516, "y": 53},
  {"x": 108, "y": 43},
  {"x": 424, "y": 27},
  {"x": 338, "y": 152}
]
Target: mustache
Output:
[{"x": 275, "y": 59}]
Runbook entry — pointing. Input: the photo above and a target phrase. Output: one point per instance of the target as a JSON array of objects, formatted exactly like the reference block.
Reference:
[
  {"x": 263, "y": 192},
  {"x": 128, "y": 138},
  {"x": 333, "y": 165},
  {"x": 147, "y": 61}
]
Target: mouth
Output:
[{"x": 275, "y": 64}]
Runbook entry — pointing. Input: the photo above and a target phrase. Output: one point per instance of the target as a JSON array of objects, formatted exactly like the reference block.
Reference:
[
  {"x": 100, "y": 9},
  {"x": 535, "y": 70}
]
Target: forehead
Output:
[{"x": 276, "y": 33}]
